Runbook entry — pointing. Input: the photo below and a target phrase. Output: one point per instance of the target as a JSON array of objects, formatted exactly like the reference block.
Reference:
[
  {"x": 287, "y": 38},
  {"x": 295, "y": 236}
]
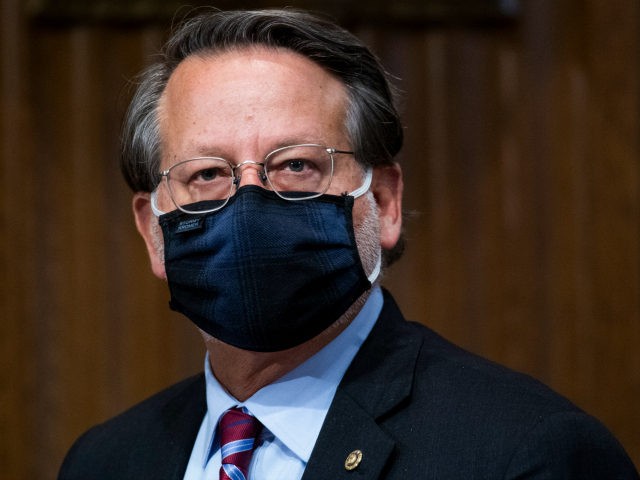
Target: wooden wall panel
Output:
[
  {"x": 17, "y": 265},
  {"x": 521, "y": 169}
]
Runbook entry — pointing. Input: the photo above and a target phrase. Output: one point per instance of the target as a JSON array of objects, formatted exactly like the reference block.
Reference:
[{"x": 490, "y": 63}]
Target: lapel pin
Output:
[{"x": 353, "y": 460}]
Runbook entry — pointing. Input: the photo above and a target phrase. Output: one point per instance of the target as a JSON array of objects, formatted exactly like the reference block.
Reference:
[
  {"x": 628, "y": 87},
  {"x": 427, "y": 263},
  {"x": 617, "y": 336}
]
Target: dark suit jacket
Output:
[{"x": 416, "y": 406}]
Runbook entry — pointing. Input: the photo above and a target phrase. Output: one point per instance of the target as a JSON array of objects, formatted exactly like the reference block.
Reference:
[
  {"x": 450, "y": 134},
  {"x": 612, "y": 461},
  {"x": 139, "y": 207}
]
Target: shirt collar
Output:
[{"x": 294, "y": 407}]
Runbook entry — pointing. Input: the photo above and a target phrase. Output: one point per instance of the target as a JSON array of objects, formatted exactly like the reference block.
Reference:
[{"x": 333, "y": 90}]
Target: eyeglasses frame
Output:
[{"x": 235, "y": 179}]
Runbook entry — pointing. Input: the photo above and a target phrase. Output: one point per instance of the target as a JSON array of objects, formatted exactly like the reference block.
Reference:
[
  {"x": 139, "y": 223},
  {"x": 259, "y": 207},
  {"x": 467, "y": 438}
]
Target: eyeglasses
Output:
[{"x": 296, "y": 172}]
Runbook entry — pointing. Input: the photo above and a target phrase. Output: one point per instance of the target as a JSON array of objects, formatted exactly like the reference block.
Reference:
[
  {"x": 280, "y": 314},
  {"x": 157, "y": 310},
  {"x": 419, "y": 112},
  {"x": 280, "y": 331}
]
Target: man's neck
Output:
[{"x": 242, "y": 372}]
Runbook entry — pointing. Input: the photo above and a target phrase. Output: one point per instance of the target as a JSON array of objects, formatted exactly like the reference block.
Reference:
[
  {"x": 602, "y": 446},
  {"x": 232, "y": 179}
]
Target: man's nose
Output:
[{"x": 249, "y": 173}]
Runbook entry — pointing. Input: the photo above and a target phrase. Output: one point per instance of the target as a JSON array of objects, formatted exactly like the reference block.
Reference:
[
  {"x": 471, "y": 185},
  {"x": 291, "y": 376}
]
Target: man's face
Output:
[{"x": 243, "y": 104}]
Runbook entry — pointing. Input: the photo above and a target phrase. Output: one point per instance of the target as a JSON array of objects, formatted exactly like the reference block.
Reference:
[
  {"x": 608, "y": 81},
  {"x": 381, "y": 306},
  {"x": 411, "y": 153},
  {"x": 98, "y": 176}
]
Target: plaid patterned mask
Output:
[{"x": 263, "y": 273}]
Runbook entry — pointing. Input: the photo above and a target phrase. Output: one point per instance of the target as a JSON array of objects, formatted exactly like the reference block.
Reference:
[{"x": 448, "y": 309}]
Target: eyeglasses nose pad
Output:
[{"x": 262, "y": 176}]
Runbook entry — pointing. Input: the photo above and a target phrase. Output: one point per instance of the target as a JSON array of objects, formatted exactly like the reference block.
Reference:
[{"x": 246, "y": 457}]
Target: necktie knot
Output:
[{"x": 238, "y": 430}]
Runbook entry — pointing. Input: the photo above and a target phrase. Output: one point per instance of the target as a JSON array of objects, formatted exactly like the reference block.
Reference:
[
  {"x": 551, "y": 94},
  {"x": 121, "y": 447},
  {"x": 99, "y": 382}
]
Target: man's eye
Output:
[
  {"x": 296, "y": 165},
  {"x": 206, "y": 175}
]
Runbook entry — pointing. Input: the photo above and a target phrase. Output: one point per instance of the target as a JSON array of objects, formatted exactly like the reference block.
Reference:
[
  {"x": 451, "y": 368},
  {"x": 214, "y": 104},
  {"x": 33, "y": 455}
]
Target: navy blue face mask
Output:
[{"x": 263, "y": 273}]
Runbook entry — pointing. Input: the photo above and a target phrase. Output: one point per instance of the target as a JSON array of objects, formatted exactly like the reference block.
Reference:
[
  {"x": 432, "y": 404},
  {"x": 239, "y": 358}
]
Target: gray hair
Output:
[{"x": 372, "y": 121}]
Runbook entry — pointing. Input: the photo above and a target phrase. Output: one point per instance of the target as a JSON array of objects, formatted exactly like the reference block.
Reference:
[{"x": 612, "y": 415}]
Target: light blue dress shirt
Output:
[{"x": 292, "y": 409}]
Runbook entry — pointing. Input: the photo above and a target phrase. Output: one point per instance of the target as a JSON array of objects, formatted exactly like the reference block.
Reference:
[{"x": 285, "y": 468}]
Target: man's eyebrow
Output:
[
  {"x": 217, "y": 151},
  {"x": 209, "y": 151}
]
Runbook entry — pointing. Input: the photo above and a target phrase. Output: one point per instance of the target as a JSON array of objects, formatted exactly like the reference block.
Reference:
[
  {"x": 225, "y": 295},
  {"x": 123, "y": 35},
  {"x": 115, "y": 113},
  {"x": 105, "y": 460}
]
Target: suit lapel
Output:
[
  {"x": 182, "y": 417},
  {"x": 378, "y": 380},
  {"x": 348, "y": 428}
]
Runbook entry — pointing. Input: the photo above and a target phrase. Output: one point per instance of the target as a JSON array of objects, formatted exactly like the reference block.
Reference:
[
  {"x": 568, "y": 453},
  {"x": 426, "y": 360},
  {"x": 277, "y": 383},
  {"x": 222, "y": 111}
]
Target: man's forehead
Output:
[
  {"x": 231, "y": 66},
  {"x": 214, "y": 102}
]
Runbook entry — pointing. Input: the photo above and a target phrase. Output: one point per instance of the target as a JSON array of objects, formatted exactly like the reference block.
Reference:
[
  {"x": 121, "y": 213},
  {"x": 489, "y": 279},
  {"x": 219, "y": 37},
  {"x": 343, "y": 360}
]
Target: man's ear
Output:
[
  {"x": 387, "y": 190},
  {"x": 147, "y": 224}
]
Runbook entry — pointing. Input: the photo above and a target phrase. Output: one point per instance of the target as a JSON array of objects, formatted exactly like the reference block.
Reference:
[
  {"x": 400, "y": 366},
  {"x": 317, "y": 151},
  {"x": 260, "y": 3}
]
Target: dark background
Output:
[{"x": 521, "y": 167}]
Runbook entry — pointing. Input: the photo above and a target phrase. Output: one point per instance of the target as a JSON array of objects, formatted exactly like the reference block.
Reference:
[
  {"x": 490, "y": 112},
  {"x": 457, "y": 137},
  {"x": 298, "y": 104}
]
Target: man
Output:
[{"x": 260, "y": 150}]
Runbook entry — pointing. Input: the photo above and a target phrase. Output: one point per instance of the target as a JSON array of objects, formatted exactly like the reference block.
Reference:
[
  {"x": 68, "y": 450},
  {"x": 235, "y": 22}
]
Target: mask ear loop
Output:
[
  {"x": 358, "y": 192},
  {"x": 154, "y": 207},
  {"x": 373, "y": 276},
  {"x": 368, "y": 175}
]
